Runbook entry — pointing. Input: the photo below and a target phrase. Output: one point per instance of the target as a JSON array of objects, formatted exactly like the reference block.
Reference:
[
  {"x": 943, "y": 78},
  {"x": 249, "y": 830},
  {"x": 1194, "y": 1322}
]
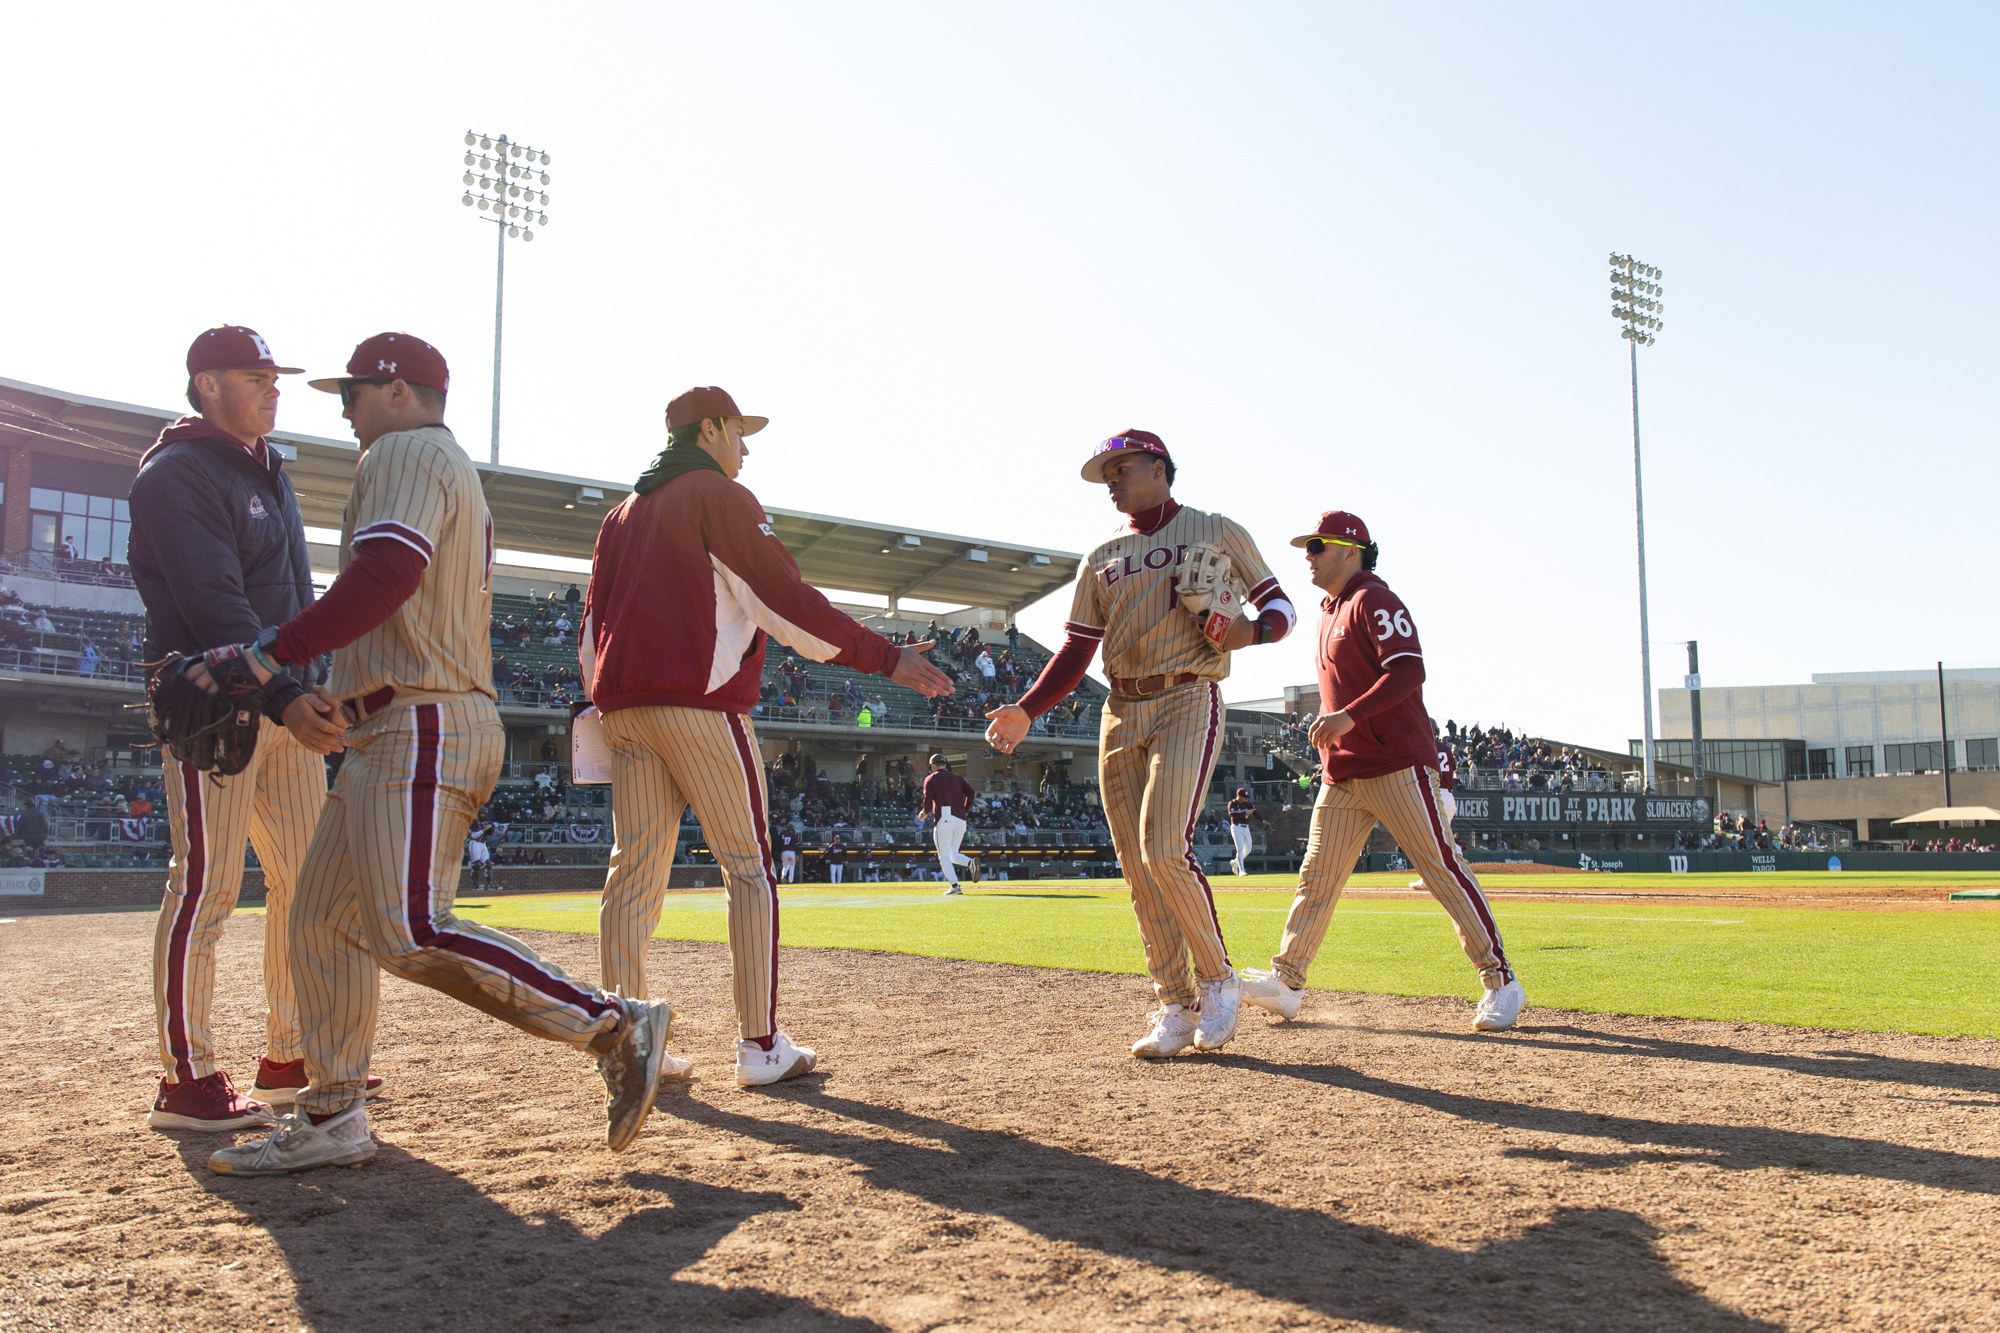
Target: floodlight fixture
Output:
[
  {"x": 490, "y": 182},
  {"x": 1637, "y": 306}
]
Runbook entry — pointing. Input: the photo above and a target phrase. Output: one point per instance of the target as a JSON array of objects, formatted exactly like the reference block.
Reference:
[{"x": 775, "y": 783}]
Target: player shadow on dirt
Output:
[
  {"x": 1732, "y": 1147},
  {"x": 404, "y": 1244},
  {"x": 1859, "y": 1066},
  {"x": 1581, "y": 1269}
]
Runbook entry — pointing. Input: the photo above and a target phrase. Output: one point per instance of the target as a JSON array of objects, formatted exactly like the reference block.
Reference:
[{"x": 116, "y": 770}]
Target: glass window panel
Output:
[
  {"x": 75, "y": 502},
  {"x": 40, "y": 498},
  {"x": 120, "y": 510},
  {"x": 1983, "y": 753},
  {"x": 119, "y": 533},
  {"x": 1860, "y": 761},
  {"x": 100, "y": 506},
  {"x": 42, "y": 531},
  {"x": 97, "y": 539}
]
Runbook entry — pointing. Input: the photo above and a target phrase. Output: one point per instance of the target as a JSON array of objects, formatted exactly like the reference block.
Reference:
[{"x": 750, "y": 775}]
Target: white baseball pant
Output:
[
  {"x": 1241, "y": 833},
  {"x": 788, "y": 867},
  {"x": 949, "y": 833}
]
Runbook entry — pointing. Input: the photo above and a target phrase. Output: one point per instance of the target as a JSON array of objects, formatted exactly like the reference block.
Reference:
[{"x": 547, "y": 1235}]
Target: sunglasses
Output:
[
  {"x": 1118, "y": 442},
  {"x": 347, "y": 389},
  {"x": 1318, "y": 545}
]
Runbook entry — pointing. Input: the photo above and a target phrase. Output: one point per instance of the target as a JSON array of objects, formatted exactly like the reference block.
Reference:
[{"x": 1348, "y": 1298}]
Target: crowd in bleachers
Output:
[
  {"x": 65, "y": 564},
  {"x": 534, "y": 647}
]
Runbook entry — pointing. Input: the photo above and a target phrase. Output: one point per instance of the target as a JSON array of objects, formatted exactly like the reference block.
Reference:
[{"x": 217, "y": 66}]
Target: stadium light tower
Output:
[
  {"x": 1636, "y": 305},
  {"x": 509, "y": 182}
]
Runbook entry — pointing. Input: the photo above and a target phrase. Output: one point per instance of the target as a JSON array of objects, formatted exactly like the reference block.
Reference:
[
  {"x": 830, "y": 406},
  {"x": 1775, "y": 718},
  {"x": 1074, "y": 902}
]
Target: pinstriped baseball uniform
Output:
[
  {"x": 654, "y": 752},
  {"x": 1407, "y": 803},
  {"x": 1370, "y": 665},
  {"x": 379, "y": 880},
  {"x": 1157, "y": 752},
  {"x": 687, "y": 582},
  {"x": 274, "y": 803}
]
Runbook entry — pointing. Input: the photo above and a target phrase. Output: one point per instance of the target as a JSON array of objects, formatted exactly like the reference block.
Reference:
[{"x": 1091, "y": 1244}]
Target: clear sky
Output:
[{"x": 1337, "y": 256}]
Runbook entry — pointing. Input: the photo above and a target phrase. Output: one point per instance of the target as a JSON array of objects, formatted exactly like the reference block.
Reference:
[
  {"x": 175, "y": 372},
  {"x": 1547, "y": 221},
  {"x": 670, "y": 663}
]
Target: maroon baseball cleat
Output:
[
  {"x": 281, "y": 1084},
  {"x": 205, "y": 1103}
]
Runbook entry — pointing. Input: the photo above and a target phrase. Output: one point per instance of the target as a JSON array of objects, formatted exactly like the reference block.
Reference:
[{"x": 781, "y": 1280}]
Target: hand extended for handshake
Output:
[{"x": 312, "y": 718}]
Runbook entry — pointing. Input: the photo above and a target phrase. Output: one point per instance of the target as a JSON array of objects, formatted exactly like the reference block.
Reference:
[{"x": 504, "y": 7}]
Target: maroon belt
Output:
[
  {"x": 1144, "y": 685},
  {"x": 359, "y": 710}
]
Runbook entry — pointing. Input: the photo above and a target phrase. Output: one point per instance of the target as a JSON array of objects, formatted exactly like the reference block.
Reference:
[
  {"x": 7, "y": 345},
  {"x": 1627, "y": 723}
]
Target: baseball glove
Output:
[
  {"x": 210, "y": 731},
  {"x": 1207, "y": 591}
]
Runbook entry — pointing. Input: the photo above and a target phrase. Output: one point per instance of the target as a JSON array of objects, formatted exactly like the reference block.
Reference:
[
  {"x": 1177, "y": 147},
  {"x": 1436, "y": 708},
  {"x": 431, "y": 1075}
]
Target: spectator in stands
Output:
[
  {"x": 43, "y": 625},
  {"x": 10, "y": 855},
  {"x": 32, "y": 826},
  {"x": 1013, "y": 637},
  {"x": 571, "y": 596},
  {"x": 67, "y": 551}
]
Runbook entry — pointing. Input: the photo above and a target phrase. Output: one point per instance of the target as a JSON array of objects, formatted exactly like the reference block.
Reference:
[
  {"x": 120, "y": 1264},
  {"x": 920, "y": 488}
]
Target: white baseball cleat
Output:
[
  {"x": 1221, "y": 1010},
  {"x": 1264, "y": 990},
  {"x": 1173, "y": 1032},
  {"x": 757, "y": 1067},
  {"x": 297, "y": 1144},
  {"x": 1499, "y": 1009},
  {"x": 673, "y": 1069},
  {"x": 953, "y": 891}
]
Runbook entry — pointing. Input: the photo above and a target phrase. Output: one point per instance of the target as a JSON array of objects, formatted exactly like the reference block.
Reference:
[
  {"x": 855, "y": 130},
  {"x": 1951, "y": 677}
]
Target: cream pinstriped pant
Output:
[
  {"x": 1406, "y": 802},
  {"x": 662, "y": 761},
  {"x": 274, "y": 803},
  {"x": 377, "y": 891},
  {"x": 1157, "y": 755}
]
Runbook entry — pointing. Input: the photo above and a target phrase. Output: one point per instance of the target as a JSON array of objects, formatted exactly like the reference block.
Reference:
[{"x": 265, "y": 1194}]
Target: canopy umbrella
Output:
[{"x": 1942, "y": 813}]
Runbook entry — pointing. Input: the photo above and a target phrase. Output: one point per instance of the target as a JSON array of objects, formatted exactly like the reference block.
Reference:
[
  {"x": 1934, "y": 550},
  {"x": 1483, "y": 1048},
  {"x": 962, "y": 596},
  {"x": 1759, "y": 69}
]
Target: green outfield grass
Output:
[
  {"x": 1928, "y": 972},
  {"x": 1615, "y": 882}
]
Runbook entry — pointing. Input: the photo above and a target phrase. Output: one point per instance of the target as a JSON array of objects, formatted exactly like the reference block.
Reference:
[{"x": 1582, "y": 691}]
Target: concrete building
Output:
[{"x": 1858, "y": 749}]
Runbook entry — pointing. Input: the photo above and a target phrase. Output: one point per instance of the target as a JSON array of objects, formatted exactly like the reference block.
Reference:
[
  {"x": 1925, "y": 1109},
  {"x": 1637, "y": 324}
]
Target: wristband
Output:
[
  {"x": 263, "y": 659},
  {"x": 1263, "y": 632}
]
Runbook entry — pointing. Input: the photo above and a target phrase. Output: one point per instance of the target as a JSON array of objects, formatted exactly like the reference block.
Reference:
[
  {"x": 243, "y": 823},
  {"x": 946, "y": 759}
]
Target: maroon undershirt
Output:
[{"x": 380, "y": 578}]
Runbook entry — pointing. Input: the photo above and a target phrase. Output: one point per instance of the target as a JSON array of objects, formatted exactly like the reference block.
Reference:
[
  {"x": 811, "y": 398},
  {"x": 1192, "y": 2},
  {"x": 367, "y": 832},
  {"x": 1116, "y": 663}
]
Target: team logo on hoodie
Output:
[{"x": 256, "y": 506}]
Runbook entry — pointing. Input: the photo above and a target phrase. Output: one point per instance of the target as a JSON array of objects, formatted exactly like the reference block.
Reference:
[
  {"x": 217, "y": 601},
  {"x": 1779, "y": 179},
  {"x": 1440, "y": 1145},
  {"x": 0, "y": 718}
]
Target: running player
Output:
[
  {"x": 479, "y": 855},
  {"x": 1242, "y": 812},
  {"x": 948, "y": 798},
  {"x": 1163, "y": 725},
  {"x": 407, "y": 620},
  {"x": 218, "y": 552},
  {"x": 1378, "y": 753},
  {"x": 687, "y": 583}
]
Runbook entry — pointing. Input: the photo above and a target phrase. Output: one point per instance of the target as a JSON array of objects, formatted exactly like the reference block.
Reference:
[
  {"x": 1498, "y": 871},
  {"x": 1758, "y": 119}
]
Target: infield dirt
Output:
[{"x": 979, "y": 1152}]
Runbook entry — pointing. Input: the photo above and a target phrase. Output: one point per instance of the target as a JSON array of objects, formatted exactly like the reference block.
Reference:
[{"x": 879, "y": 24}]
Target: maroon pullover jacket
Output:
[{"x": 686, "y": 582}]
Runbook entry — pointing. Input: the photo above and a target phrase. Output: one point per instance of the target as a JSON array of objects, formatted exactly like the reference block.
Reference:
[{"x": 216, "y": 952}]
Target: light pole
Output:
[
  {"x": 1635, "y": 304},
  {"x": 508, "y": 181}
]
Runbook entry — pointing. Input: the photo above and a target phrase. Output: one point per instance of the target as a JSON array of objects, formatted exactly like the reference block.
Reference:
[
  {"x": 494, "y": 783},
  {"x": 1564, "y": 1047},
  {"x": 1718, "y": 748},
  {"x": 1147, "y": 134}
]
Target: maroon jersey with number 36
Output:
[{"x": 1372, "y": 667}]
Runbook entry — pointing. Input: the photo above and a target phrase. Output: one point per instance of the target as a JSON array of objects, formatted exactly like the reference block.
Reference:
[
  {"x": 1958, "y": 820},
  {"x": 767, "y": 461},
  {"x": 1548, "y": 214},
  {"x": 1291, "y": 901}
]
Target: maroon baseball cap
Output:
[
  {"x": 703, "y": 403},
  {"x": 1125, "y": 441},
  {"x": 1339, "y": 527},
  {"x": 393, "y": 356},
  {"x": 233, "y": 347},
  {"x": 1242, "y": 791}
]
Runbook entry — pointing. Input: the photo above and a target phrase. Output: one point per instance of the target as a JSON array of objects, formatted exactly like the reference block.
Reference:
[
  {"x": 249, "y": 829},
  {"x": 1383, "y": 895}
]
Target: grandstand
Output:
[{"x": 72, "y": 744}]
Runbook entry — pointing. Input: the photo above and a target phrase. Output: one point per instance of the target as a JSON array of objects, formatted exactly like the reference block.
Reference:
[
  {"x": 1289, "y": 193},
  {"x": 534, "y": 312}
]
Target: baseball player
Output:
[
  {"x": 1162, "y": 596},
  {"x": 1242, "y": 813},
  {"x": 218, "y": 552},
  {"x": 947, "y": 798},
  {"x": 788, "y": 855},
  {"x": 479, "y": 855},
  {"x": 687, "y": 583},
  {"x": 407, "y": 622},
  {"x": 1447, "y": 767},
  {"x": 1378, "y": 757},
  {"x": 836, "y": 859}
]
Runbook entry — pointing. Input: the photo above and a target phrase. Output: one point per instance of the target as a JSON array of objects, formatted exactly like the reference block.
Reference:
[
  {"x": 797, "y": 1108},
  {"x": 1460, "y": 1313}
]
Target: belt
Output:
[
  {"x": 361, "y": 708},
  {"x": 1144, "y": 685}
]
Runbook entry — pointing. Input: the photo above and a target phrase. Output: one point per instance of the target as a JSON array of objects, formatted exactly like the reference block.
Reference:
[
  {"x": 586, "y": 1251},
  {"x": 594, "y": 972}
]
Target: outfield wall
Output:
[{"x": 1705, "y": 863}]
